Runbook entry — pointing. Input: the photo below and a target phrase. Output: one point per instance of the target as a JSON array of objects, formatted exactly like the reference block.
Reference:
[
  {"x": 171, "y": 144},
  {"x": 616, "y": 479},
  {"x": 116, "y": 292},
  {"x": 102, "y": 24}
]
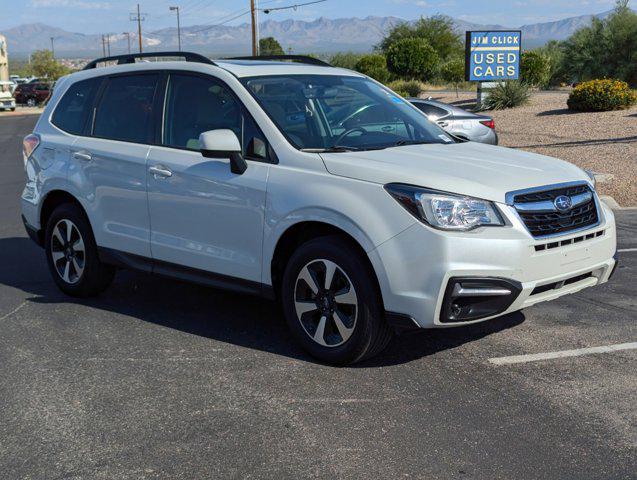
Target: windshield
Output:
[{"x": 340, "y": 113}]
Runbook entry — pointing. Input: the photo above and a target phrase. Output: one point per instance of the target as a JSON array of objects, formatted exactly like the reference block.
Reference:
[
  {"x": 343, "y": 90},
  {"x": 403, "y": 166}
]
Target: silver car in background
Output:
[{"x": 458, "y": 122}]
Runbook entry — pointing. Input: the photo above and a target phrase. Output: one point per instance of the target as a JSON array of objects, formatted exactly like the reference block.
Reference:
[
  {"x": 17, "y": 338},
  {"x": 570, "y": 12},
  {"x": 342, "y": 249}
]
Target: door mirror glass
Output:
[{"x": 219, "y": 143}]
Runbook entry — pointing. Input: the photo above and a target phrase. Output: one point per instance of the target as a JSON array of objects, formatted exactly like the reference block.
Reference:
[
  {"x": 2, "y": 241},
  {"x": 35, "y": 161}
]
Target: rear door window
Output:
[
  {"x": 74, "y": 109},
  {"x": 125, "y": 111}
]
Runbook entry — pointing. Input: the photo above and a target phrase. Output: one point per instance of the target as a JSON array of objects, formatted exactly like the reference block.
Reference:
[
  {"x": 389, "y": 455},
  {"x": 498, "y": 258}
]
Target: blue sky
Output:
[{"x": 93, "y": 16}]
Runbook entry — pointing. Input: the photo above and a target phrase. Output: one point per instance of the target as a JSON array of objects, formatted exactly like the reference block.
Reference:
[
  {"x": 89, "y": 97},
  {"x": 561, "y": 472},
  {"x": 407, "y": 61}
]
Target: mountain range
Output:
[{"x": 321, "y": 36}]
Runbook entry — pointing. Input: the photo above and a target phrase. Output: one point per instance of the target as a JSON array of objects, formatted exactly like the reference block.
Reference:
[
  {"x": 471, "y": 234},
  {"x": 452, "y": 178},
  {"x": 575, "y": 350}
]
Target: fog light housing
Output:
[{"x": 473, "y": 298}]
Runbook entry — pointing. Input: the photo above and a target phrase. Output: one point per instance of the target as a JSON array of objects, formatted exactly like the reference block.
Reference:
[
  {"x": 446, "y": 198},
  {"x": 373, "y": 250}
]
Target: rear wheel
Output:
[
  {"x": 332, "y": 304},
  {"x": 72, "y": 253}
]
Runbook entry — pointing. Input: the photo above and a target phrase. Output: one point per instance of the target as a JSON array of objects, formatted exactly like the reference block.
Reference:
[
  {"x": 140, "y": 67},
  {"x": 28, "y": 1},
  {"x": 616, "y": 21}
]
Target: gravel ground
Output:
[{"x": 605, "y": 142}]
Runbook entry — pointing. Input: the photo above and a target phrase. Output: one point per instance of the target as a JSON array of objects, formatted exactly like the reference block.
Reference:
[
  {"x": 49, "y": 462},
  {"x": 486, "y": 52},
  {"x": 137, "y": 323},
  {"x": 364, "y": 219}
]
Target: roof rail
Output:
[
  {"x": 130, "y": 58},
  {"x": 294, "y": 58}
]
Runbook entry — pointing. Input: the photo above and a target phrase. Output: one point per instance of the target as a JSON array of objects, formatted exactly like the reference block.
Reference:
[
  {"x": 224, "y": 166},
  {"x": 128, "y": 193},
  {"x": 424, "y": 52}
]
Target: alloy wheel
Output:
[
  {"x": 68, "y": 251},
  {"x": 326, "y": 303}
]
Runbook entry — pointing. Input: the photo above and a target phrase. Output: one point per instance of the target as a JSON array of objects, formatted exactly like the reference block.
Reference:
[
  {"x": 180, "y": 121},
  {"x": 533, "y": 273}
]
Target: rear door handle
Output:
[
  {"x": 85, "y": 156},
  {"x": 387, "y": 128},
  {"x": 160, "y": 171}
]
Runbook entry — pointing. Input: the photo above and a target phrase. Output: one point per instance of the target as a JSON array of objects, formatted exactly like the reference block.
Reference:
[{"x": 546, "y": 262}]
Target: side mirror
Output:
[{"x": 223, "y": 143}]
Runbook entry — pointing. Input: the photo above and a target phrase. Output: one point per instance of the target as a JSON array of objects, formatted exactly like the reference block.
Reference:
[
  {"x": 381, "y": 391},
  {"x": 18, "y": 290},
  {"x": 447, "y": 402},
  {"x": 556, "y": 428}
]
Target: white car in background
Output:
[{"x": 7, "y": 102}]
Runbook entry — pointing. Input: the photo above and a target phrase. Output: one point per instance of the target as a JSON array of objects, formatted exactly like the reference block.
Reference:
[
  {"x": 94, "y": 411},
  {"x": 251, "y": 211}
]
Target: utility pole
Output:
[
  {"x": 108, "y": 43},
  {"x": 255, "y": 26},
  {"x": 178, "y": 26},
  {"x": 52, "y": 48},
  {"x": 103, "y": 46},
  {"x": 139, "y": 18},
  {"x": 127, "y": 38}
]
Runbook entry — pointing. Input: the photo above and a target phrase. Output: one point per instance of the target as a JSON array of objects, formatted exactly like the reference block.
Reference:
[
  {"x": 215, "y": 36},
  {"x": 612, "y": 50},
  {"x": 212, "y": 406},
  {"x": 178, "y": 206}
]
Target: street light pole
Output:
[
  {"x": 52, "y": 48},
  {"x": 172, "y": 9},
  {"x": 127, "y": 38}
]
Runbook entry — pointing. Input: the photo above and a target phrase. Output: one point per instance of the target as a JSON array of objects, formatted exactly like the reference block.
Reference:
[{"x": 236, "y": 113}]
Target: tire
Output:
[
  {"x": 313, "y": 311},
  {"x": 31, "y": 102},
  {"x": 76, "y": 270}
]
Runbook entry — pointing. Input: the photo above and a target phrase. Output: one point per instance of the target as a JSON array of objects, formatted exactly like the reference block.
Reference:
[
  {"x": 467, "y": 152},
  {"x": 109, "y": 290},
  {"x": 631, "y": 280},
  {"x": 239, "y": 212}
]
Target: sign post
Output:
[{"x": 490, "y": 57}]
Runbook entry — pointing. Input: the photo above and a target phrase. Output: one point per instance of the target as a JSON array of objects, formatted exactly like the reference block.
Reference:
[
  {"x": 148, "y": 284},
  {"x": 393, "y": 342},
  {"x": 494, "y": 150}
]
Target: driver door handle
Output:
[
  {"x": 160, "y": 171},
  {"x": 82, "y": 155}
]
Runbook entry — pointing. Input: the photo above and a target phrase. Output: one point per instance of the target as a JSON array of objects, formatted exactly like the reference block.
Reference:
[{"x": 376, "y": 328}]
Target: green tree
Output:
[
  {"x": 44, "y": 65},
  {"x": 270, "y": 46},
  {"x": 375, "y": 66},
  {"x": 608, "y": 48},
  {"x": 554, "y": 51},
  {"x": 412, "y": 58},
  {"x": 438, "y": 31},
  {"x": 345, "y": 60},
  {"x": 535, "y": 69},
  {"x": 452, "y": 72}
]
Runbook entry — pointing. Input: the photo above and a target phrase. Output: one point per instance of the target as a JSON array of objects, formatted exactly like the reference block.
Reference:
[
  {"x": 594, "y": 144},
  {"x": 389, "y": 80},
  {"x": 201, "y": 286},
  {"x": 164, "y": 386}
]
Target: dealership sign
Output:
[{"x": 491, "y": 56}]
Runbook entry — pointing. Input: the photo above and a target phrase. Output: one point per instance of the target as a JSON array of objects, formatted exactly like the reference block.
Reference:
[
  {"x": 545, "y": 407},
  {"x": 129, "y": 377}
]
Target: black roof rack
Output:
[
  {"x": 130, "y": 58},
  {"x": 294, "y": 58}
]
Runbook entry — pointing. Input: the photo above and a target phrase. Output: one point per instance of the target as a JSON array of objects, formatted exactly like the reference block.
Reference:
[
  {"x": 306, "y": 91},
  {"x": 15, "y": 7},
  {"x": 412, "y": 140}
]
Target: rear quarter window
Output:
[{"x": 74, "y": 108}]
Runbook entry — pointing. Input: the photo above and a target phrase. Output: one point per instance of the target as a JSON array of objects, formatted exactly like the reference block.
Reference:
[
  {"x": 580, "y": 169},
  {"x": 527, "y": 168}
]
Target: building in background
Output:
[{"x": 4, "y": 59}]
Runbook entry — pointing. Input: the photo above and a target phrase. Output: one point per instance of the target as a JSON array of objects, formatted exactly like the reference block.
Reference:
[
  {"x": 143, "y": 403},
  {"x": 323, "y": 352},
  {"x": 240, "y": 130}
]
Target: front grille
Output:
[{"x": 547, "y": 220}]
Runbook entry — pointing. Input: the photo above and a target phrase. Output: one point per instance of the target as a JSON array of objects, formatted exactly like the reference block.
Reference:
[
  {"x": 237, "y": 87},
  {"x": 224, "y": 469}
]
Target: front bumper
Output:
[{"x": 414, "y": 268}]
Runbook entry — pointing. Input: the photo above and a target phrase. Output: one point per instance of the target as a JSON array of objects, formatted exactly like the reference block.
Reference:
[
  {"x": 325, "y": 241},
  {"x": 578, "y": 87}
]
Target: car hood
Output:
[{"x": 469, "y": 168}]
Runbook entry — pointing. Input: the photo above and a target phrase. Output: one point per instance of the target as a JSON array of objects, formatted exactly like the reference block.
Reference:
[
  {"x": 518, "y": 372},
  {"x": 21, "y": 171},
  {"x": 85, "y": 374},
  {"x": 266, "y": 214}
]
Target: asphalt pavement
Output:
[{"x": 158, "y": 379}]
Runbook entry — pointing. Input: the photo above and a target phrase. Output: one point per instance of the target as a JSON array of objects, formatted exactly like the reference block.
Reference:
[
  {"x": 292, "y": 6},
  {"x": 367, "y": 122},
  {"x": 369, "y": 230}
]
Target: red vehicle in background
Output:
[{"x": 32, "y": 94}]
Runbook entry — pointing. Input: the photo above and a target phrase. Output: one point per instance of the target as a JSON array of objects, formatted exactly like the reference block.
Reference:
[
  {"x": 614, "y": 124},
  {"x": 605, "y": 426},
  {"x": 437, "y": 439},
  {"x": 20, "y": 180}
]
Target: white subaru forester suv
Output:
[{"x": 313, "y": 185}]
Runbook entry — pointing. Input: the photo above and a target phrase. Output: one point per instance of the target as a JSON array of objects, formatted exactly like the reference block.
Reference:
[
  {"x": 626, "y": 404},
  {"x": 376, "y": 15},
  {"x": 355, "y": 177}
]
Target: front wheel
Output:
[
  {"x": 72, "y": 255},
  {"x": 332, "y": 303}
]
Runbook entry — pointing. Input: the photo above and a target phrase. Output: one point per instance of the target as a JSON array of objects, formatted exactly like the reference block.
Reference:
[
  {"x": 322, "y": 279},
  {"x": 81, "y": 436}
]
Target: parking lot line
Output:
[
  {"x": 535, "y": 357},
  {"x": 624, "y": 250}
]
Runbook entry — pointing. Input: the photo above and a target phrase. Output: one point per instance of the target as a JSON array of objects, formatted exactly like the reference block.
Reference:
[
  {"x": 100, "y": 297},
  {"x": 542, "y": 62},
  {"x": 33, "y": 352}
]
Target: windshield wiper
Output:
[
  {"x": 335, "y": 149},
  {"x": 400, "y": 143}
]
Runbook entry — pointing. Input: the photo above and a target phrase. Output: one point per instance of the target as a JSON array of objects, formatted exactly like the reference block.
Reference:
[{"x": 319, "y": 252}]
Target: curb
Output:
[{"x": 612, "y": 203}]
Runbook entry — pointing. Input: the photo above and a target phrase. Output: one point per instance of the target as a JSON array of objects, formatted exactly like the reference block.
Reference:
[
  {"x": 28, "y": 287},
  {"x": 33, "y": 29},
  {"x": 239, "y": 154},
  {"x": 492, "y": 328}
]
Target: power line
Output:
[{"x": 268, "y": 10}]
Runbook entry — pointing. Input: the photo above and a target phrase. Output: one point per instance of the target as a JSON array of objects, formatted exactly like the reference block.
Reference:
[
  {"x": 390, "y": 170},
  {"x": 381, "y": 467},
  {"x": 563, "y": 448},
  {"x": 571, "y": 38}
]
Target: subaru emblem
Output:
[{"x": 563, "y": 203}]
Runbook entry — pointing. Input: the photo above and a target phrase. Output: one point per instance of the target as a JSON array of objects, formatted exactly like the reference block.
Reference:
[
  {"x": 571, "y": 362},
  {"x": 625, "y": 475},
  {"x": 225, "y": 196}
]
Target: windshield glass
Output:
[{"x": 326, "y": 112}]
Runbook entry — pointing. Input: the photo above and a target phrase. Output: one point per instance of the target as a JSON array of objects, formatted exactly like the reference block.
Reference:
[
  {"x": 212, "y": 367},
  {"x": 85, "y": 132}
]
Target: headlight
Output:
[
  {"x": 445, "y": 211},
  {"x": 591, "y": 175}
]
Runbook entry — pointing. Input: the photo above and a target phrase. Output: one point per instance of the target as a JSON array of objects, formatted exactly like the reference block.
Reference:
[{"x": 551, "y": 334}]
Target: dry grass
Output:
[{"x": 604, "y": 142}]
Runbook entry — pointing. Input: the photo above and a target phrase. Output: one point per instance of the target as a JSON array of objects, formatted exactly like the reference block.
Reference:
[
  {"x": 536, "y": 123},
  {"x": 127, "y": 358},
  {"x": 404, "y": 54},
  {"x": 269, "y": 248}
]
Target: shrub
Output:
[
  {"x": 270, "y": 46},
  {"x": 412, "y": 58},
  {"x": 535, "y": 69},
  {"x": 453, "y": 72},
  {"x": 374, "y": 66},
  {"x": 407, "y": 88},
  {"x": 601, "y": 95},
  {"x": 507, "y": 95},
  {"x": 345, "y": 60}
]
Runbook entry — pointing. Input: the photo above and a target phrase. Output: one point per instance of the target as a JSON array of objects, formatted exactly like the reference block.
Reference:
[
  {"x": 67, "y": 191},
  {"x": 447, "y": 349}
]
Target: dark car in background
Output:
[
  {"x": 32, "y": 94},
  {"x": 458, "y": 122}
]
